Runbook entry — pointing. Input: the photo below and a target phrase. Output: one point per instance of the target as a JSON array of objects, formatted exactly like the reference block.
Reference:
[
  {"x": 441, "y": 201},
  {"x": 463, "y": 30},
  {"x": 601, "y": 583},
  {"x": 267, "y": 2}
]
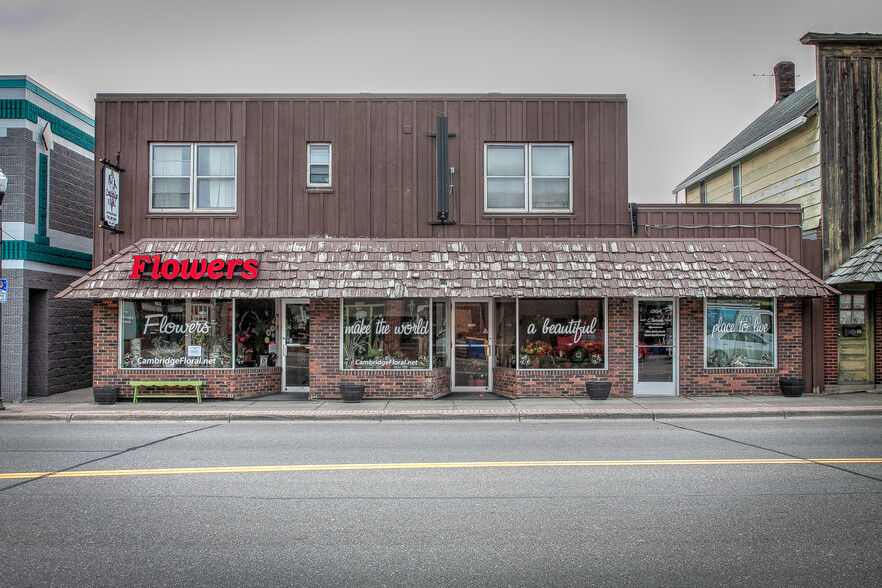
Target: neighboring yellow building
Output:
[
  {"x": 820, "y": 147},
  {"x": 775, "y": 160}
]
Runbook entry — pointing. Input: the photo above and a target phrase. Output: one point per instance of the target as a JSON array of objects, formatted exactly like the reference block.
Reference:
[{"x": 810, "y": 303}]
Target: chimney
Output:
[{"x": 785, "y": 80}]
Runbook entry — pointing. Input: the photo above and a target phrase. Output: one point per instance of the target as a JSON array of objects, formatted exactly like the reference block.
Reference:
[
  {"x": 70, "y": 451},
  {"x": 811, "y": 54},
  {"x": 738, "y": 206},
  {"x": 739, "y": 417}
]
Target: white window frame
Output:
[
  {"x": 774, "y": 338},
  {"x": 736, "y": 188},
  {"x": 528, "y": 179},
  {"x": 309, "y": 165},
  {"x": 194, "y": 178}
]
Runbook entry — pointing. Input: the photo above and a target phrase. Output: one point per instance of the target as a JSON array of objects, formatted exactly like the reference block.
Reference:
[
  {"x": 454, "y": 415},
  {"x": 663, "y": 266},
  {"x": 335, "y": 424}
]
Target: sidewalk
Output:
[{"x": 78, "y": 405}]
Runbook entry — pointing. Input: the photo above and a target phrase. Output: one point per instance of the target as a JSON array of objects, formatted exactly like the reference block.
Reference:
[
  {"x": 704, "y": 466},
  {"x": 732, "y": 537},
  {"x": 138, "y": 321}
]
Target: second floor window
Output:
[
  {"x": 193, "y": 177},
  {"x": 528, "y": 178},
  {"x": 318, "y": 164},
  {"x": 736, "y": 183}
]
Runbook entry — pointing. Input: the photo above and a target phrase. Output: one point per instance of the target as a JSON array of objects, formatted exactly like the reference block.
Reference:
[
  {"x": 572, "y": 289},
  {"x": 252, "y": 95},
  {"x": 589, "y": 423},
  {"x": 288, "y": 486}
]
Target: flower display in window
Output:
[{"x": 536, "y": 348}]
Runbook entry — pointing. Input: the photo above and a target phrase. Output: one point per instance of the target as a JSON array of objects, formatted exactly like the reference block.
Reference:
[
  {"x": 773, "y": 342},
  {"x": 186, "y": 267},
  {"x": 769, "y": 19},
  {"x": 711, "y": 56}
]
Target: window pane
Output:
[
  {"x": 216, "y": 193},
  {"x": 505, "y": 160},
  {"x": 256, "y": 344},
  {"x": 386, "y": 334},
  {"x": 859, "y": 301},
  {"x": 177, "y": 334},
  {"x": 551, "y": 161},
  {"x": 845, "y": 301},
  {"x": 551, "y": 193},
  {"x": 506, "y": 193},
  {"x": 319, "y": 174},
  {"x": 319, "y": 154},
  {"x": 171, "y": 160},
  {"x": 171, "y": 193},
  {"x": 740, "y": 332},
  {"x": 561, "y": 334},
  {"x": 439, "y": 325},
  {"x": 216, "y": 160},
  {"x": 506, "y": 327}
]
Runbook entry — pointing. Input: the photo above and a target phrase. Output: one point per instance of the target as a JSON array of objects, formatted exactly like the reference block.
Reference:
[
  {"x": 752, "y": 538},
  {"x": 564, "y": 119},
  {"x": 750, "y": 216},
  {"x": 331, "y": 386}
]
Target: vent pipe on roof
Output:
[
  {"x": 443, "y": 172},
  {"x": 785, "y": 80}
]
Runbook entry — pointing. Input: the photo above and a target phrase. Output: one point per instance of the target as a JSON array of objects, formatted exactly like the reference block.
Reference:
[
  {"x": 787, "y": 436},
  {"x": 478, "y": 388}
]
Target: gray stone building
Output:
[{"x": 47, "y": 152}]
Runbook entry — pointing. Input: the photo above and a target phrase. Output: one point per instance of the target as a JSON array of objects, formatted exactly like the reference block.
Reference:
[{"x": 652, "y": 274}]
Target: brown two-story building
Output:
[{"x": 421, "y": 246}]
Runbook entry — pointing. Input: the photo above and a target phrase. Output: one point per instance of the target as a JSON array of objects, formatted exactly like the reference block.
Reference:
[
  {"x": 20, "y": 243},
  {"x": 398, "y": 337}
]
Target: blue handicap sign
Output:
[{"x": 2, "y": 290}]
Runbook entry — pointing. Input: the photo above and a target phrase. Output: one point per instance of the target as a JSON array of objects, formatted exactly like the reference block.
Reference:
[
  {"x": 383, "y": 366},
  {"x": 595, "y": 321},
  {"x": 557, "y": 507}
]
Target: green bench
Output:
[{"x": 167, "y": 384}]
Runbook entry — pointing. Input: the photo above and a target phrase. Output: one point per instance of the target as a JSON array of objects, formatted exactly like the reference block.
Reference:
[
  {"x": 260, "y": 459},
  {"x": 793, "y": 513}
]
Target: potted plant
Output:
[
  {"x": 598, "y": 390},
  {"x": 105, "y": 394},
  {"x": 792, "y": 387},
  {"x": 351, "y": 392}
]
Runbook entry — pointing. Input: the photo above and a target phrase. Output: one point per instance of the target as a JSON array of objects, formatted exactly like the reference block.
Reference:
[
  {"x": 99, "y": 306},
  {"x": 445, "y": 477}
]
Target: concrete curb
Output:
[{"x": 432, "y": 415}]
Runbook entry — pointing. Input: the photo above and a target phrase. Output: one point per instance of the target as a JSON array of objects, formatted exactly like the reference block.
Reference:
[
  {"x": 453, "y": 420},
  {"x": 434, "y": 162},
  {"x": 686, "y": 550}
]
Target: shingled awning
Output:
[
  {"x": 865, "y": 266},
  {"x": 403, "y": 268}
]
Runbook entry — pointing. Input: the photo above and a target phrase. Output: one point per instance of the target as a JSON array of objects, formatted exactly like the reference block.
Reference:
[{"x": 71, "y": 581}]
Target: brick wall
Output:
[
  {"x": 877, "y": 335},
  {"x": 325, "y": 375},
  {"x": 513, "y": 383},
  {"x": 18, "y": 160},
  {"x": 71, "y": 192},
  {"x": 219, "y": 383},
  {"x": 695, "y": 379},
  {"x": 831, "y": 340}
]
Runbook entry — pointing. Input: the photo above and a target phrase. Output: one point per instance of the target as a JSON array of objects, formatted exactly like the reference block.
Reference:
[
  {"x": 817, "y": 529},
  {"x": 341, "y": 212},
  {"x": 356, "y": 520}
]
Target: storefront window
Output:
[
  {"x": 506, "y": 330},
  {"x": 256, "y": 344},
  {"x": 562, "y": 334},
  {"x": 386, "y": 334},
  {"x": 439, "y": 334},
  {"x": 177, "y": 334},
  {"x": 740, "y": 332}
]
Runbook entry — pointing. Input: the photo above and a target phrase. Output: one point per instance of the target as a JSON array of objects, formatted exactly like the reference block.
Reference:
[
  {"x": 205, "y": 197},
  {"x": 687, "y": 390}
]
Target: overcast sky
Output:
[{"x": 691, "y": 69}]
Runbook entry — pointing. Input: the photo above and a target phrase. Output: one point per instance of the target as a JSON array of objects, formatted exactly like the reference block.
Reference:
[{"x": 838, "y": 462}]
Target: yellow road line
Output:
[{"x": 412, "y": 466}]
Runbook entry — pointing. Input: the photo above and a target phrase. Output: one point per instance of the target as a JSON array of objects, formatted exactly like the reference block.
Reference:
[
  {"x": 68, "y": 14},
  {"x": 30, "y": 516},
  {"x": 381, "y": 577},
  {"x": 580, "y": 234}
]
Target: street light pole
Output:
[{"x": 4, "y": 182}]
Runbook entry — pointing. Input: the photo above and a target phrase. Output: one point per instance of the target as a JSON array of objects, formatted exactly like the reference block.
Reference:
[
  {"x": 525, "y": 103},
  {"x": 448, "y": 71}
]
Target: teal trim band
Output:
[
  {"x": 47, "y": 96},
  {"x": 29, "y": 111},
  {"x": 28, "y": 251},
  {"x": 42, "y": 195}
]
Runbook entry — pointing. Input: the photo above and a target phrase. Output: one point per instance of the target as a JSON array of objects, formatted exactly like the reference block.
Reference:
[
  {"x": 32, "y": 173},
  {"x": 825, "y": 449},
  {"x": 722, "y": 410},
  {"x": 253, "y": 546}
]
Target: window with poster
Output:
[
  {"x": 256, "y": 333},
  {"x": 176, "y": 333},
  {"x": 386, "y": 334},
  {"x": 561, "y": 333},
  {"x": 740, "y": 332}
]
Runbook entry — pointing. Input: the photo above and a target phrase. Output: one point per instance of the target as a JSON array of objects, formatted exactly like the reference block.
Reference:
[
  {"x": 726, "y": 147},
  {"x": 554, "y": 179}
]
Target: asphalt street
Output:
[{"x": 730, "y": 502}]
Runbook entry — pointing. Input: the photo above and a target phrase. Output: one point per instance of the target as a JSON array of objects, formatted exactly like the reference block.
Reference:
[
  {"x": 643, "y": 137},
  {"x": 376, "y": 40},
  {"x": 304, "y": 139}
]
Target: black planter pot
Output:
[
  {"x": 792, "y": 386},
  {"x": 351, "y": 392},
  {"x": 598, "y": 390},
  {"x": 105, "y": 394}
]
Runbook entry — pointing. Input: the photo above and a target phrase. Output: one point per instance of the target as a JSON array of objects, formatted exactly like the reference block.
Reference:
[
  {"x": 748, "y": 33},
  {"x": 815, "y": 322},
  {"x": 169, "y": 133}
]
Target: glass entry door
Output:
[
  {"x": 471, "y": 368},
  {"x": 296, "y": 356},
  {"x": 655, "y": 348}
]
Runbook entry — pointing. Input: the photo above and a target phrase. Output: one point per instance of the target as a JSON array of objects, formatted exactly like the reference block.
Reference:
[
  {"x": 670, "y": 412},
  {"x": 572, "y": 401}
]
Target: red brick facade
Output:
[
  {"x": 326, "y": 375},
  {"x": 555, "y": 383},
  {"x": 695, "y": 379},
  {"x": 219, "y": 383},
  {"x": 831, "y": 340}
]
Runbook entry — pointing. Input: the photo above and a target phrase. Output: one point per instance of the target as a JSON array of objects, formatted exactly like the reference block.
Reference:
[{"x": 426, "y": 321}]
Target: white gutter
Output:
[{"x": 746, "y": 151}]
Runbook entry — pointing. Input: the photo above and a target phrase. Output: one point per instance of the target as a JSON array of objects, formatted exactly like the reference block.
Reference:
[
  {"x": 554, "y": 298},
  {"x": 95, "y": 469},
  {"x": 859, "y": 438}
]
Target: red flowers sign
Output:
[{"x": 152, "y": 266}]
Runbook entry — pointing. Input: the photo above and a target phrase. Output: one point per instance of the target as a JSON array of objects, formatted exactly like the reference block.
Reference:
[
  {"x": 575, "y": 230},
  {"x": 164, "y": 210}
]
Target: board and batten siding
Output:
[
  {"x": 787, "y": 171},
  {"x": 383, "y": 172},
  {"x": 850, "y": 97}
]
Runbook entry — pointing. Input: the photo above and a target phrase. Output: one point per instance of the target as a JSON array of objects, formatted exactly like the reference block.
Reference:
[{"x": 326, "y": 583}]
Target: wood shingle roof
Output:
[{"x": 402, "y": 268}]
